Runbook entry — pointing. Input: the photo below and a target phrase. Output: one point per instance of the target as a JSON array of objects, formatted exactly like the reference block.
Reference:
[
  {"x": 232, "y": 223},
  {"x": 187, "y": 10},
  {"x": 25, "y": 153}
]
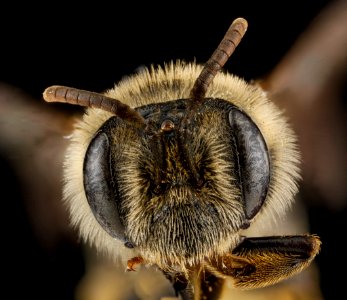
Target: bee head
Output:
[{"x": 176, "y": 179}]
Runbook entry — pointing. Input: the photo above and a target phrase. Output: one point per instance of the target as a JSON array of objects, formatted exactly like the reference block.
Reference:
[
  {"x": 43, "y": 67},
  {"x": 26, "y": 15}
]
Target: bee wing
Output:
[
  {"x": 33, "y": 139},
  {"x": 263, "y": 261}
]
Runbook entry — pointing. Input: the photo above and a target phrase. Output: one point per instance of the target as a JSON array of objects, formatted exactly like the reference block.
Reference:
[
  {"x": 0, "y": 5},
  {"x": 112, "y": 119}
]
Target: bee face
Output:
[
  {"x": 165, "y": 210},
  {"x": 174, "y": 166}
]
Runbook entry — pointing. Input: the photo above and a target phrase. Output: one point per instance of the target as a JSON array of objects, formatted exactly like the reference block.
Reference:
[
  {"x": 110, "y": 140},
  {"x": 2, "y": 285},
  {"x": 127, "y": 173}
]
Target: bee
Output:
[{"x": 174, "y": 164}]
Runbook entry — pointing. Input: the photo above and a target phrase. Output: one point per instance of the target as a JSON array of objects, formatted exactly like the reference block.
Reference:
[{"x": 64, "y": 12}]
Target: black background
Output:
[{"x": 93, "y": 45}]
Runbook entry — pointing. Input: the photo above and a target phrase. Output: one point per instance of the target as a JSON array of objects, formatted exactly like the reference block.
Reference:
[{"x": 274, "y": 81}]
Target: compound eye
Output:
[
  {"x": 254, "y": 162},
  {"x": 97, "y": 186}
]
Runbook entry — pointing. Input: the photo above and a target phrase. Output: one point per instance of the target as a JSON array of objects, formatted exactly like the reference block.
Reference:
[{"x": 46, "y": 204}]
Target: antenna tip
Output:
[
  {"x": 49, "y": 94},
  {"x": 56, "y": 93},
  {"x": 240, "y": 22}
]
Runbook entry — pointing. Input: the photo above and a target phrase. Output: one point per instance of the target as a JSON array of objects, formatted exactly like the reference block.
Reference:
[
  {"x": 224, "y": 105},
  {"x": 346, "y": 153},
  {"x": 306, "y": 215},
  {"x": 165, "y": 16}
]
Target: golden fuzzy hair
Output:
[{"x": 171, "y": 82}]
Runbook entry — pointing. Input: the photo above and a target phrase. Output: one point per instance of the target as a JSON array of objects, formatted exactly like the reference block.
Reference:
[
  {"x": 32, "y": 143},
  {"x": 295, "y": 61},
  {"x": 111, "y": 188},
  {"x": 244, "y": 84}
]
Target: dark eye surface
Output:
[
  {"x": 254, "y": 164},
  {"x": 97, "y": 183}
]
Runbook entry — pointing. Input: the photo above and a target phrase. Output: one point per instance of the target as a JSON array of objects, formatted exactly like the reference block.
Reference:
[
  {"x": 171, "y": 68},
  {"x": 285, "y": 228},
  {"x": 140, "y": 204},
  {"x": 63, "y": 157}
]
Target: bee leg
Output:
[
  {"x": 263, "y": 261},
  {"x": 132, "y": 263}
]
